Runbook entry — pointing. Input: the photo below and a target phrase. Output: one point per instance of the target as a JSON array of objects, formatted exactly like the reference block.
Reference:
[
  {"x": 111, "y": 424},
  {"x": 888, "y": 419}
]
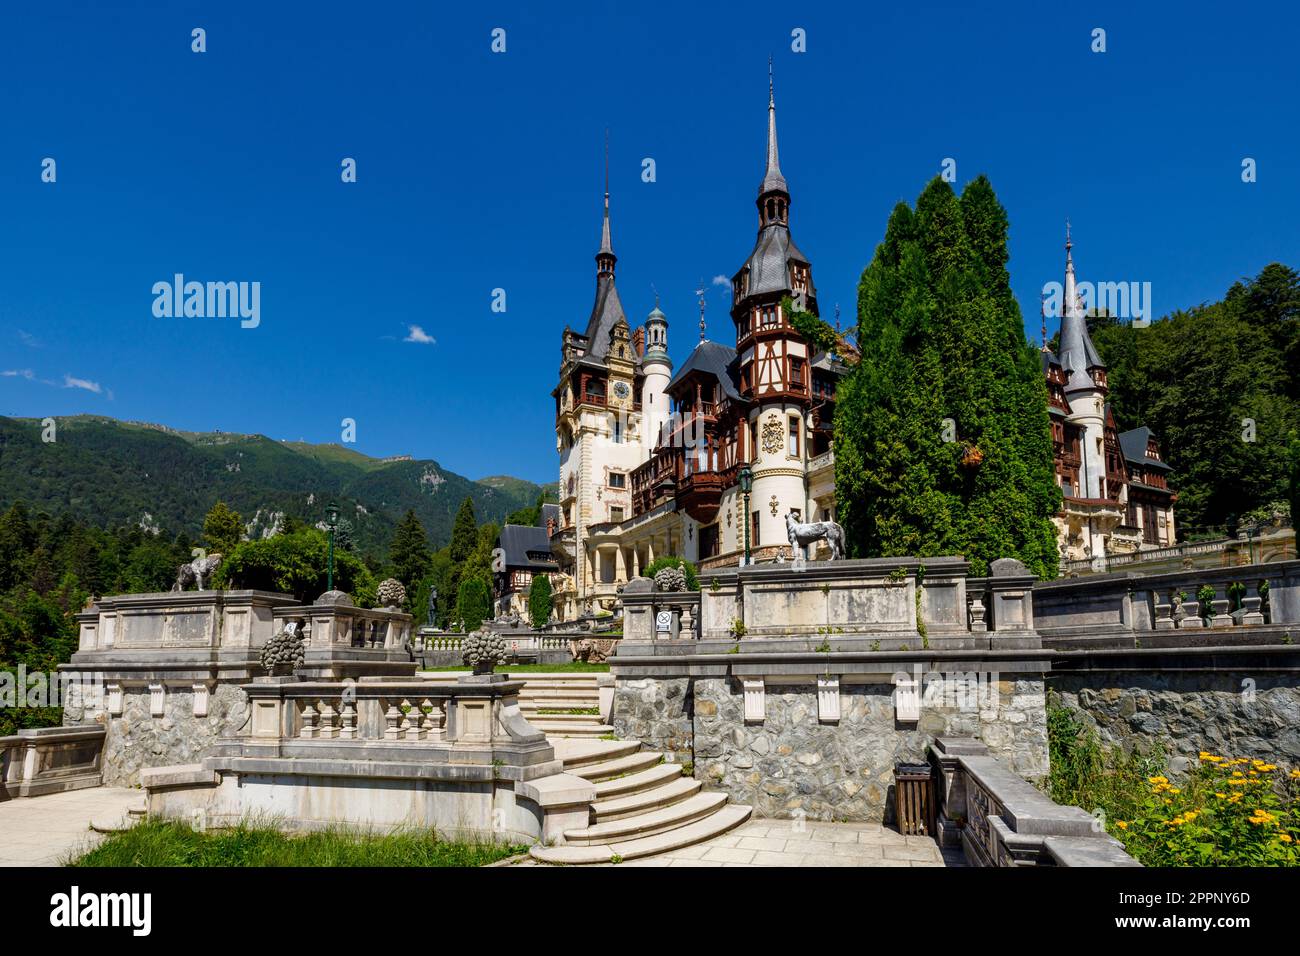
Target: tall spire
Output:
[
  {"x": 772, "y": 179},
  {"x": 605, "y": 258},
  {"x": 1078, "y": 355}
]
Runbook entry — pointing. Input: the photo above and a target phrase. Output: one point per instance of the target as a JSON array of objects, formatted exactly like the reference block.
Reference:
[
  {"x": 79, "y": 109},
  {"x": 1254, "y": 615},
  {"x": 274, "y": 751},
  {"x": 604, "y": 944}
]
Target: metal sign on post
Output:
[{"x": 664, "y": 621}]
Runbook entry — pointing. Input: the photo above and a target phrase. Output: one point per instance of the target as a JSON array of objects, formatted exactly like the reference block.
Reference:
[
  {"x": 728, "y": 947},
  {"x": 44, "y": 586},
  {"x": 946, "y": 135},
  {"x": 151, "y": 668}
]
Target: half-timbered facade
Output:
[
  {"x": 1115, "y": 494},
  {"x": 650, "y": 460}
]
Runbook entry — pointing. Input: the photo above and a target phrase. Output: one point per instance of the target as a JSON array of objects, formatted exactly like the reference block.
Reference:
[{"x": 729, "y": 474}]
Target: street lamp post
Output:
[
  {"x": 332, "y": 523},
  {"x": 746, "y": 477}
]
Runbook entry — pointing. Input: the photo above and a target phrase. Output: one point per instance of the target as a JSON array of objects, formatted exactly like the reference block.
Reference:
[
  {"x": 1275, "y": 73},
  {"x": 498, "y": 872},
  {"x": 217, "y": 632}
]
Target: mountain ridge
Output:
[{"x": 109, "y": 471}]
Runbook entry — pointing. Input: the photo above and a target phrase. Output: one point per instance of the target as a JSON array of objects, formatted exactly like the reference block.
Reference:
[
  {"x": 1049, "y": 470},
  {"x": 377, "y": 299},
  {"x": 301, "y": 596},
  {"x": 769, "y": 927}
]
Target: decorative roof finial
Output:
[
  {"x": 606, "y": 252},
  {"x": 1068, "y": 243},
  {"x": 700, "y": 293}
]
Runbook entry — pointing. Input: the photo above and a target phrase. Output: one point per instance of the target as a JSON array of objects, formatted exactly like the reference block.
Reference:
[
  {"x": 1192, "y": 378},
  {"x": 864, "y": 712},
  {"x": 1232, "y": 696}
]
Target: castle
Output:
[
  {"x": 1114, "y": 485},
  {"x": 707, "y": 460}
]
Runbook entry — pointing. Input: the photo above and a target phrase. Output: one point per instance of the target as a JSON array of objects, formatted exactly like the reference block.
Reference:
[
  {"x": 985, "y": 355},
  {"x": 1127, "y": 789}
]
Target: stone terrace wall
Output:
[
  {"x": 1231, "y": 712},
  {"x": 791, "y": 762},
  {"x": 136, "y": 740}
]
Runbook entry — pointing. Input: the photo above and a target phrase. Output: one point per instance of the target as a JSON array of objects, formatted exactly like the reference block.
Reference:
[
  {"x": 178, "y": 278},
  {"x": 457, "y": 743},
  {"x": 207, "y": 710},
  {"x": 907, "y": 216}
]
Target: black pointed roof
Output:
[{"x": 711, "y": 358}]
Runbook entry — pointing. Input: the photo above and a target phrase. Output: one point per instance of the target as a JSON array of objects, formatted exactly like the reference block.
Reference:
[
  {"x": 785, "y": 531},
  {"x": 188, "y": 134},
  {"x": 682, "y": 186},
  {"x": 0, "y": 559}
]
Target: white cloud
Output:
[
  {"x": 29, "y": 340},
  {"x": 19, "y": 373},
  {"x": 70, "y": 382},
  {"x": 419, "y": 336},
  {"x": 722, "y": 280}
]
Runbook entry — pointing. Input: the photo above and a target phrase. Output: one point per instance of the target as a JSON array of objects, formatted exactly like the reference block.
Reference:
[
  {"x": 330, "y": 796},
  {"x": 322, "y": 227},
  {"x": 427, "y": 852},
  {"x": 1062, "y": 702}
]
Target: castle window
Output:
[
  {"x": 618, "y": 430},
  {"x": 767, "y": 316},
  {"x": 617, "y": 479},
  {"x": 796, "y": 374},
  {"x": 615, "y": 514},
  {"x": 792, "y": 446}
]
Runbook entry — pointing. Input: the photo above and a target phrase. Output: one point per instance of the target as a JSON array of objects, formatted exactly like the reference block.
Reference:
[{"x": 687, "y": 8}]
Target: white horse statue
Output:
[{"x": 805, "y": 534}]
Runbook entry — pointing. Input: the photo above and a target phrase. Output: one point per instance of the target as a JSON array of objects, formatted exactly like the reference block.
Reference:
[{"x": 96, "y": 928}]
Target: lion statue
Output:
[{"x": 195, "y": 571}]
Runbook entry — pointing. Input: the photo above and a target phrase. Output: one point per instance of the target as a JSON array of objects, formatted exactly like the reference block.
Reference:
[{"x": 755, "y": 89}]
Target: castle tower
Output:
[
  {"x": 773, "y": 359},
  {"x": 1085, "y": 387},
  {"x": 598, "y": 436},
  {"x": 658, "y": 370}
]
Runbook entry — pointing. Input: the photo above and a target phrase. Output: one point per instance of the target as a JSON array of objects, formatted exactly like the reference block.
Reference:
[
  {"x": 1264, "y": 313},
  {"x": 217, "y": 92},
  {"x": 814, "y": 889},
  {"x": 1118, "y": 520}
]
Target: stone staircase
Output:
[
  {"x": 563, "y": 705},
  {"x": 643, "y": 806}
]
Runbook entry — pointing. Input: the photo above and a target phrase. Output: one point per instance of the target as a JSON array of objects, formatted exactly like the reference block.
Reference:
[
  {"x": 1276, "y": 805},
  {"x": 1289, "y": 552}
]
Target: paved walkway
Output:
[
  {"x": 788, "y": 843},
  {"x": 44, "y": 831}
]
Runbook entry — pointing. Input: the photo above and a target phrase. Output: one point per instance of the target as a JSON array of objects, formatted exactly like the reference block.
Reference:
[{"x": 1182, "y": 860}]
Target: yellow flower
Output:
[
  {"x": 1285, "y": 838},
  {"x": 1295, "y": 774},
  {"x": 1220, "y": 795},
  {"x": 1124, "y": 826},
  {"x": 1158, "y": 779}
]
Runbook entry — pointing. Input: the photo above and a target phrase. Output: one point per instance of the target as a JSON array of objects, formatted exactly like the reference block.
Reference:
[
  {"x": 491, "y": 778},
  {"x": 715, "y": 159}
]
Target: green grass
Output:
[
  {"x": 572, "y": 666},
  {"x": 571, "y": 711},
  {"x": 155, "y": 843}
]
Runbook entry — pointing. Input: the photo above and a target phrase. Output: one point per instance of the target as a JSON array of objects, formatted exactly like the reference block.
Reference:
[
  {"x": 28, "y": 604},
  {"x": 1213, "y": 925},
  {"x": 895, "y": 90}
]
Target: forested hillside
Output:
[{"x": 109, "y": 473}]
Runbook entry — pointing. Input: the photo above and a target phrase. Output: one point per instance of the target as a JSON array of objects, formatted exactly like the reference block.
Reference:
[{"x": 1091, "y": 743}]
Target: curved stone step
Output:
[
  {"x": 634, "y": 782},
  {"x": 647, "y": 824},
  {"x": 533, "y": 717},
  {"x": 584, "y": 753},
  {"x": 715, "y": 824},
  {"x": 644, "y": 801},
  {"x": 585, "y": 731},
  {"x": 619, "y": 766}
]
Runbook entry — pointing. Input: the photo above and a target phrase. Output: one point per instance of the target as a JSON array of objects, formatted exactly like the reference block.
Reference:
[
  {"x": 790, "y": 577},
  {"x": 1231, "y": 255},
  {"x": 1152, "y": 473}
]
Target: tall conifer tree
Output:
[{"x": 942, "y": 439}]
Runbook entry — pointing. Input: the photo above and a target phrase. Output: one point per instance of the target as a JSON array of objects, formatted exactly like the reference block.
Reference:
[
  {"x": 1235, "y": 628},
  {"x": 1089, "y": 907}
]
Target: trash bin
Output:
[{"x": 914, "y": 798}]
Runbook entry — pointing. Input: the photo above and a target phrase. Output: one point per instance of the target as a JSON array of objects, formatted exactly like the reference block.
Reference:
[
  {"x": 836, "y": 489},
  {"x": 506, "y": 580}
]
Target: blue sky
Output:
[{"x": 479, "y": 171}]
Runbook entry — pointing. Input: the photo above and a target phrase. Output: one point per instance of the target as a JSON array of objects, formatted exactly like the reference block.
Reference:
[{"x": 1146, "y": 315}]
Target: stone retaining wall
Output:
[
  {"x": 1233, "y": 713},
  {"x": 792, "y": 763}
]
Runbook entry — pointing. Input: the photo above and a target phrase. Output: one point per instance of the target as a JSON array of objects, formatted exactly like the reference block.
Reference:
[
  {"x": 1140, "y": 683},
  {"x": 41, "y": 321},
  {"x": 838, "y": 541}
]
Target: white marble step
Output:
[
  {"x": 647, "y": 824},
  {"x": 644, "y": 801},
  {"x": 619, "y": 766},
  {"x": 635, "y": 782},
  {"x": 715, "y": 824}
]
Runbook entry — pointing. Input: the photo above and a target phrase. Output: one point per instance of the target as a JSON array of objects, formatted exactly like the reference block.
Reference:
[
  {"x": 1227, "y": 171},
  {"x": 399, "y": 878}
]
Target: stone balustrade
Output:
[
  {"x": 999, "y": 819},
  {"x": 50, "y": 760},
  {"x": 343, "y": 640},
  {"x": 891, "y": 603},
  {"x": 1128, "y": 604},
  {"x": 459, "y": 756}
]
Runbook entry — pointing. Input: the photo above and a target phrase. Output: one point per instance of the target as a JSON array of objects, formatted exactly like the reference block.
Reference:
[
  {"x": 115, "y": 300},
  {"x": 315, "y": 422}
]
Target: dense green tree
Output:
[
  {"x": 942, "y": 439},
  {"x": 1216, "y": 384},
  {"x": 296, "y": 564},
  {"x": 222, "y": 529},
  {"x": 464, "y": 532},
  {"x": 408, "y": 554},
  {"x": 473, "y": 604},
  {"x": 539, "y": 600}
]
